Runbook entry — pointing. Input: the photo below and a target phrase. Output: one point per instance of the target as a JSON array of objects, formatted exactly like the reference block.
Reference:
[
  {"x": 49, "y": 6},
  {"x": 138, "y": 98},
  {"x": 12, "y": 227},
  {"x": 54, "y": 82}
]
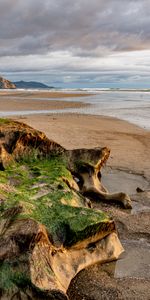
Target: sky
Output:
[{"x": 76, "y": 43}]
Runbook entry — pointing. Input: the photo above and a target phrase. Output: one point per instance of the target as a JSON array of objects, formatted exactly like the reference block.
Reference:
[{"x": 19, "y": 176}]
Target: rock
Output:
[
  {"x": 6, "y": 84},
  {"x": 21, "y": 140},
  {"x": 5, "y": 158},
  {"x": 48, "y": 234},
  {"x": 86, "y": 165},
  {"x": 139, "y": 190},
  {"x": 31, "y": 85}
]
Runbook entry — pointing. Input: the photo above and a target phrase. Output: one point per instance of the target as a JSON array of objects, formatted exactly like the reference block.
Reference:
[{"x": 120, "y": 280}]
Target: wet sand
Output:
[
  {"x": 26, "y": 105},
  {"x": 41, "y": 94},
  {"x": 25, "y": 101}
]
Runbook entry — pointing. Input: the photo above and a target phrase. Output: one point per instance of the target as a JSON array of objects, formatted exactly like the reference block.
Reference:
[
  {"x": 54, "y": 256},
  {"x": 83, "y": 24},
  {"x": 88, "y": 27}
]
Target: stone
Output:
[
  {"x": 48, "y": 234},
  {"x": 6, "y": 84}
]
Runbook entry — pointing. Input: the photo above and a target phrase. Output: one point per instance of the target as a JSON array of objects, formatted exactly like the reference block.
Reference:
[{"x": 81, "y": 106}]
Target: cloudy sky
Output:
[{"x": 76, "y": 43}]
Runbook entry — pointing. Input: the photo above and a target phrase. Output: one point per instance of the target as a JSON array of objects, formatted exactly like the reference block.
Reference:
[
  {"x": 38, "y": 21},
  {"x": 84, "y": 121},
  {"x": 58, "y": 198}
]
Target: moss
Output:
[
  {"x": 11, "y": 276},
  {"x": 4, "y": 121},
  {"x": 76, "y": 223},
  {"x": 49, "y": 172},
  {"x": 48, "y": 209},
  {"x": 6, "y": 275}
]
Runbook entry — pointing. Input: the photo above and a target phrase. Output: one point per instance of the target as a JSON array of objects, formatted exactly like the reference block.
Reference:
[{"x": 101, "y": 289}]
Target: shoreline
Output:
[
  {"x": 26, "y": 101},
  {"x": 46, "y": 94},
  {"x": 37, "y": 105},
  {"x": 59, "y": 119},
  {"x": 130, "y": 109}
]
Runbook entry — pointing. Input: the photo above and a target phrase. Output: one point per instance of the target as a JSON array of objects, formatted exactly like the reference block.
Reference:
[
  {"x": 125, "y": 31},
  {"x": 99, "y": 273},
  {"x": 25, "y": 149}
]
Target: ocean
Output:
[{"x": 130, "y": 105}]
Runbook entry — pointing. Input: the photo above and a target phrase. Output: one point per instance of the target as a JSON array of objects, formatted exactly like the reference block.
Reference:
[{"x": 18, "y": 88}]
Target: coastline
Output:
[
  {"x": 131, "y": 107},
  {"x": 17, "y": 105},
  {"x": 40, "y": 94},
  {"x": 128, "y": 142}
]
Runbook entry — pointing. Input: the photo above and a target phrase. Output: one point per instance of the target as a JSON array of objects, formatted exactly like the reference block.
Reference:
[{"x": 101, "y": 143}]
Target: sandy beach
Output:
[
  {"x": 129, "y": 144},
  {"x": 128, "y": 168},
  {"x": 24, "y": 101},
  {"x": 41, "y": 94}
]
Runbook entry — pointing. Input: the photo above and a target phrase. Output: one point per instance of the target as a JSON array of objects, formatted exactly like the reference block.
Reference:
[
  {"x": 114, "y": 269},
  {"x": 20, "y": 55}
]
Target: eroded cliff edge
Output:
[
  {"x": 48, "y": 230},
  {"x": 6, "y": 84}
]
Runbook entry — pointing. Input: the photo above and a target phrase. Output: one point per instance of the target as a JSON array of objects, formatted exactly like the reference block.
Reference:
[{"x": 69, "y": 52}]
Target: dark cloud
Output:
[
  {"x": 81, "y": 41},
  {"x": 81, "y": 26}
]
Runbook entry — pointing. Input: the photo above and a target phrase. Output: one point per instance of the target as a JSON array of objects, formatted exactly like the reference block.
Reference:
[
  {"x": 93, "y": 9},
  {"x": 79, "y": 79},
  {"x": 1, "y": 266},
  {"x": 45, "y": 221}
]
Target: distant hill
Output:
[
  {"x": 6, "y": 84},
  {"x": 31, "y": 85}
]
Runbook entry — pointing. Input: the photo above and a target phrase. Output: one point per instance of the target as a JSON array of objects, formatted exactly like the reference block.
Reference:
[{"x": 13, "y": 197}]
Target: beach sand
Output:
[
  {"x": 41, "y": 94},
  {"x": 23, "y": 101},
  {"x": 129, "y": 162},
  {"x": 129, "y": 144}
]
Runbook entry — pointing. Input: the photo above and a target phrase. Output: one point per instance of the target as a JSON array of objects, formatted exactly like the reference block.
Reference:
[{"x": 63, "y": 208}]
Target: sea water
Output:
[{"x": 132, "y": 106}]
